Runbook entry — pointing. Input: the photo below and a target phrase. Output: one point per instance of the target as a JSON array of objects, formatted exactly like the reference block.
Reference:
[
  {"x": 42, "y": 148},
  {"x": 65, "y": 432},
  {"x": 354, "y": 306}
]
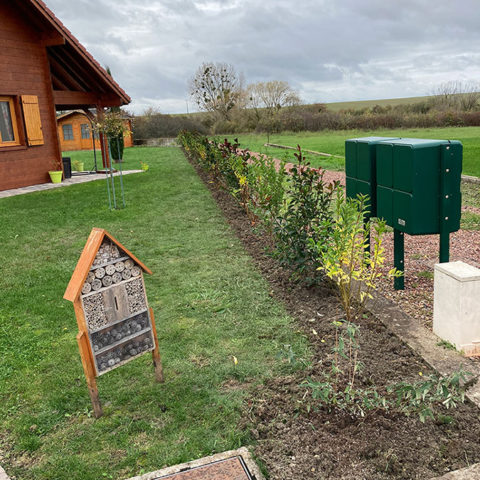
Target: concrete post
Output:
[{"x": 456, "y": 305}]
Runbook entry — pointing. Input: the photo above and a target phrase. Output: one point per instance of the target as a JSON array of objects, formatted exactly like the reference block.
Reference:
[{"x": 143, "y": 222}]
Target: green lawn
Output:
[
  {"x": 210, "y": 304},
  {"x": 333, "y": 142}
]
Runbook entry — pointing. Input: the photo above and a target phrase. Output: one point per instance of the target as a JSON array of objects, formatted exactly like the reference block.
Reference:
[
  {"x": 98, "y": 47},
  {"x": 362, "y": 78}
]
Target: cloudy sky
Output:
[{"x": 329, "y": 50}]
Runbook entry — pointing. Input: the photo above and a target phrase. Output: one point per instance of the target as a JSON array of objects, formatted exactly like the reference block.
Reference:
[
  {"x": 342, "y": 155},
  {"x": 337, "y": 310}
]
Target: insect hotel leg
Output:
[
  {"x": 89, "y": 370},
  {"x": 157, "y": 359}
]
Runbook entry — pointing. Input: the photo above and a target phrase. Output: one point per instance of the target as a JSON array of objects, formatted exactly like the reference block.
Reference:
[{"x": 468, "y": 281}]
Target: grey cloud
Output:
[{"x": 330, "y": 51}]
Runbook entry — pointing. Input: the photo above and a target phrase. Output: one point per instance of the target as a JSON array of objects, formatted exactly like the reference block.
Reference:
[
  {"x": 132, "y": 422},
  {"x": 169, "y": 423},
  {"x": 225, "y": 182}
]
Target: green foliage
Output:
[
  {"x": 117, "y": 145},
  {"x": 346, "y": 258},
  {"x": 446, "y": 344},
  {"x": 267, "y": 182},
  {"x": 422, "y": 397},
  {"x": 338, "y": 389},
  {"x": 305, "y": 220}
]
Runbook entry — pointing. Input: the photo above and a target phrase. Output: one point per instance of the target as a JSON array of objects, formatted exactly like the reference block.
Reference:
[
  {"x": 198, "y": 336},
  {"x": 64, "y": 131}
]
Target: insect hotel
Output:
[{"x": 114, "y": 320}]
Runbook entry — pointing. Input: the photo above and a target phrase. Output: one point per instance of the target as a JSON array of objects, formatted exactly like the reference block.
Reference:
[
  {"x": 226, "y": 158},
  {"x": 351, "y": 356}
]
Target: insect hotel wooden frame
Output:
[{"x": 114, "y": 320}]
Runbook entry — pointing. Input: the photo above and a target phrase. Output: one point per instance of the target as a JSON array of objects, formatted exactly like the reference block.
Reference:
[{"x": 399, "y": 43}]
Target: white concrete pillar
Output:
[{"x": 456, "y": 305}]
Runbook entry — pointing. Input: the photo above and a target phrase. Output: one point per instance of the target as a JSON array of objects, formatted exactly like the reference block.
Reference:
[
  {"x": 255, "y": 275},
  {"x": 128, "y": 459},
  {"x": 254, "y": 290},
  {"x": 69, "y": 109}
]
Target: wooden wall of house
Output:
[
  {"x": 79, "y": 143},
  {"x": 24, "y": 70}
]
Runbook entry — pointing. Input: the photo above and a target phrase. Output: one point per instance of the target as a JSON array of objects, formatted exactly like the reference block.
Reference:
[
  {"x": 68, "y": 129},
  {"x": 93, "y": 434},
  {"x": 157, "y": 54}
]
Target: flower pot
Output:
[
  {"x": 56, "y": 176},
  {"x": 78, "y": 166}
]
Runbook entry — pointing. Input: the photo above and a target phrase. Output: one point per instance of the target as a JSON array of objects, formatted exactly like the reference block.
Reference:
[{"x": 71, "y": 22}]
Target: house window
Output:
[
  {"x": 67, "y": 132},
  {"x": 8, "y": 123},
  {"x": 85, "y": 128}
]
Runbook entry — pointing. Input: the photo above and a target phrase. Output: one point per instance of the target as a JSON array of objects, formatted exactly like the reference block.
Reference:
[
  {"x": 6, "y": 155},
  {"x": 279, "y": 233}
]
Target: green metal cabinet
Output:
[
  {"x": 360, "y": 169},
  {"x": 418, "y": 185},
  {"x": 413, "y": 184}
]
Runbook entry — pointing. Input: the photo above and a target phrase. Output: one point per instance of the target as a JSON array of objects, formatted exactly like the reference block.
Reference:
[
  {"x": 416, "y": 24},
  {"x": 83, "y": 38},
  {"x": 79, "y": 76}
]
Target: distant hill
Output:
[{"x": 337, "y": 106}]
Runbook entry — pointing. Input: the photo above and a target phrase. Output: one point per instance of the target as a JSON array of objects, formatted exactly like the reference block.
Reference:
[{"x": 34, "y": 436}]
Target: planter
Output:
[
  {"x": 56, "y": 176},
  {"x": 78, "y": 166}
]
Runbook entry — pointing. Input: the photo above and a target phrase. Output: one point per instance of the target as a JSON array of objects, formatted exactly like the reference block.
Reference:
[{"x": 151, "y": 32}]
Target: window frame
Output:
[
  {"x": 83, "y": 130},
  {"x": 63, "y": 131},
  {"x": 13, "y": 115}
]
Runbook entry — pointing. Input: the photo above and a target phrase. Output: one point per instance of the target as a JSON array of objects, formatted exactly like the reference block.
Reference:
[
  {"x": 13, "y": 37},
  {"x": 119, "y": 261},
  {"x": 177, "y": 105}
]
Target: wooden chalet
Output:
[
  {"x": 75, "y": 131},
  {"x": 43, "y": 69}
]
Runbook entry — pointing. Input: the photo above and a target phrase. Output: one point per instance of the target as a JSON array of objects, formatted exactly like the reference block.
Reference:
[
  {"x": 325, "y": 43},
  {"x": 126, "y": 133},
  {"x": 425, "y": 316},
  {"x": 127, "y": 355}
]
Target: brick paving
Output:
[{"x": 76, "y": 179}]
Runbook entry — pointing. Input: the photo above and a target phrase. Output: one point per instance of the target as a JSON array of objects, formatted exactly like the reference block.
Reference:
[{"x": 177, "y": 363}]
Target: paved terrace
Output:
[{"x": 82, "y": 178}]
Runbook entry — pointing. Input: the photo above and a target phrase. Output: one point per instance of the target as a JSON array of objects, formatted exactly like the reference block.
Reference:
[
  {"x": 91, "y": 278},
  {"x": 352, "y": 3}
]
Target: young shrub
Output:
[
  {"x": 338, "y": 387},
  {"x": 267, "y": 182},
  {"x": 347, "y": 260},
  {"x": 304, "y": 221}
]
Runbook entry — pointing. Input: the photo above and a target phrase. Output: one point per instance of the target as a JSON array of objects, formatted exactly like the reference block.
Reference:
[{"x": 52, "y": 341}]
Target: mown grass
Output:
[
  {"x": 210, "y": 304},
  {"x": 333, "y": 142}
]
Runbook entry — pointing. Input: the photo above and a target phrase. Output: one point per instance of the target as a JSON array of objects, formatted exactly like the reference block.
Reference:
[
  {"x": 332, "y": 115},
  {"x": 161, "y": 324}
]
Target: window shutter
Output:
[{"x": 33, "y": 124}]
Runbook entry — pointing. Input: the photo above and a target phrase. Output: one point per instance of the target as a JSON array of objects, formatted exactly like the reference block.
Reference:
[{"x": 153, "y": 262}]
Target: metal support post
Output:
[
  {"x": 444, "y": 247},
  {"x": 399, "y": 258}
]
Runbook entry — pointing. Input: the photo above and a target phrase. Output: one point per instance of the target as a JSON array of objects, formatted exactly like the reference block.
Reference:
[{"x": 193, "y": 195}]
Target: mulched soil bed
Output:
[{"x": 294, "y": 444}]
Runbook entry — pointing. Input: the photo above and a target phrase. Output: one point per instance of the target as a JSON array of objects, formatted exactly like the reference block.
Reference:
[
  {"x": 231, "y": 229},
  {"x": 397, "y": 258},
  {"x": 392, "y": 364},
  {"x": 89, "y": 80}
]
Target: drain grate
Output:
[{"x": 230, "y": 469}]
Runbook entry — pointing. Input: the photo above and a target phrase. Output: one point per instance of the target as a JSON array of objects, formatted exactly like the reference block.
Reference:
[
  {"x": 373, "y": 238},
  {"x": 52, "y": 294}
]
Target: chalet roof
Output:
[
  {"x": 78, "y": 79},
  {"x": 71, "y": 112},
  {"x": 86, "y": 259},
  {"x": 61, "y": 116}
]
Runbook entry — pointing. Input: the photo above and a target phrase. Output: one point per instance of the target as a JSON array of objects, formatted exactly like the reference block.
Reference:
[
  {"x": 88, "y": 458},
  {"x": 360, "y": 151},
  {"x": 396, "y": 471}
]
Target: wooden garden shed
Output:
[
  {"x": 75, "y": 131},
  {"x": 43, "y": 69}
]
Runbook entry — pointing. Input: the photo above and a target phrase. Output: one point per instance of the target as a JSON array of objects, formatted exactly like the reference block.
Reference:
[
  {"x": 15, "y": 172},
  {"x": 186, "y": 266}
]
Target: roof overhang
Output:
[{"x": 78, "y": 80}]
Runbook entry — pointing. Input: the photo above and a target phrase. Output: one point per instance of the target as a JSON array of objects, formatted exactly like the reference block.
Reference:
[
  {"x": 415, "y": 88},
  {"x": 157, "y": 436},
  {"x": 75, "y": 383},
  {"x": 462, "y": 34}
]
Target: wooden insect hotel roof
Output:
[{"x": 87, "y": 258}]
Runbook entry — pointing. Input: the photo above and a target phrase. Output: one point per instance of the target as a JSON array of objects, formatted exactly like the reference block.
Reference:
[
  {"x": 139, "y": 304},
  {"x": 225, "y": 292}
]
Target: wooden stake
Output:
[
  {"x": 89, "y": 370},
  {"x": 157, "y": 359}
]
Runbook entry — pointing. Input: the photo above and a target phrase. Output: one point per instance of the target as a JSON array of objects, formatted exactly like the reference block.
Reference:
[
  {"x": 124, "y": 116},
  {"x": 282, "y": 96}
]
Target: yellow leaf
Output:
[{"x": 235, "y": 361}]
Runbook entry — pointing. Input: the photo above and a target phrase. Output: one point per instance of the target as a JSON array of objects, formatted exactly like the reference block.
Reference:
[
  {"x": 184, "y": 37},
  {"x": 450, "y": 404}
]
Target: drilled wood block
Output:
[
  {"x": 136, "y": 295},
  {"x": 94, "y": 309}
]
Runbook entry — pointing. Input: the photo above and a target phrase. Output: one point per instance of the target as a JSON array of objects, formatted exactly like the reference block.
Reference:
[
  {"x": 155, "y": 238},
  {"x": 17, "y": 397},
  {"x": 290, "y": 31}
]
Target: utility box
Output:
[
  {"x": 418, "y": 185},
  {"x": 360, "y": 169},
  {"x": 413, "y": 184}
]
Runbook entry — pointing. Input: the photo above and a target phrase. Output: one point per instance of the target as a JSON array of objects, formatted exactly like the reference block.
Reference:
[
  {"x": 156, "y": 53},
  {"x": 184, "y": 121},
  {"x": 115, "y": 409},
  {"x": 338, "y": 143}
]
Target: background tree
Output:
[
  {"x": 272, "y": 96},
  {"x": 266, "y": 99},
  {"x": 457, "y": 95},
  {"x": 216, "y": 88}
]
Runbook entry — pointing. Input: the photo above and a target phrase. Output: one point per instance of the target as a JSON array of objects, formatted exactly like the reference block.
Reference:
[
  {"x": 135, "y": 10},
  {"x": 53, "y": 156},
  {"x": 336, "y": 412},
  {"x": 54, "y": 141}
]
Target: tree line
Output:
[{"x": 227, "y": 105}]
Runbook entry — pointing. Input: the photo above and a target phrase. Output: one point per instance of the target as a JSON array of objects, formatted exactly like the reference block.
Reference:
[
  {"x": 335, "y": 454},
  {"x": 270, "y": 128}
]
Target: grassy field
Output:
[
  {"x": 359, "y": 104},
  {"x": 333, "y": 142},
  {"x": 210, "y": 304}
]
